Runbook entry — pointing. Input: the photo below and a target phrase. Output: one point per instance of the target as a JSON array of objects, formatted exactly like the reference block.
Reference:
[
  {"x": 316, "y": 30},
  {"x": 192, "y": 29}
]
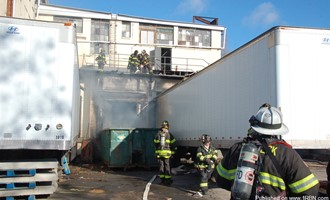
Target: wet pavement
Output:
[{"x": 98, "y": 182}]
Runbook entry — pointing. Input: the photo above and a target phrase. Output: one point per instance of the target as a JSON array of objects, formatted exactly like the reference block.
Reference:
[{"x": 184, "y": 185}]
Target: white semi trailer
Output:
[
  {"x": 39, "y": 104},
  {"x": 288, "y": 67}
]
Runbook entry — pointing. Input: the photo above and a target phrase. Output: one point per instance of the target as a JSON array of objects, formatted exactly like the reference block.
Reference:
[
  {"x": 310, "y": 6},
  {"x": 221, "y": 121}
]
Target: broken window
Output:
[
  {"x": 194, "y": 37},
  {"x": 165, "y": 36},
  {"x": 154, "y": 34}
]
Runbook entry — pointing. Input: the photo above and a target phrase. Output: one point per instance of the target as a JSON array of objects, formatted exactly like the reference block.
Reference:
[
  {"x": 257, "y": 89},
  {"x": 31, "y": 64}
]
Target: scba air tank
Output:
[{"x": 245, "y": 174}]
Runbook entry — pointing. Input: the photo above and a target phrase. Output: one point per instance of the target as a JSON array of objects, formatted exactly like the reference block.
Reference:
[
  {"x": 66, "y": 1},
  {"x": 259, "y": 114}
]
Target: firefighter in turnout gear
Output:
[
  {"x": 165, "y": 149},
  {"x": 145, "y": 62},
  {"x": 101, "y": 60},
  {"x": 134, "y": 63},
  {"x": 281, "y": 172},
  {"x": 206, "y": 159}
]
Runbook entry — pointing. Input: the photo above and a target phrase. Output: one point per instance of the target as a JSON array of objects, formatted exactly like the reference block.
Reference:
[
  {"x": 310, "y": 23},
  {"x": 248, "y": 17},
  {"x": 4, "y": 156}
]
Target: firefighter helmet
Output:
[
  {"x": 165, "y": 124},
  {"x": 206, "y": 138},
  {"x": 268, "y": 121}
]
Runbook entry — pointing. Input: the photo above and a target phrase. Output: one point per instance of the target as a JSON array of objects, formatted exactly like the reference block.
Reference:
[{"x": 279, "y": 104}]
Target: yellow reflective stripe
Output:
[
  {"x": 304, "y": 184},
  {"x": 165, "y": 151},
  {"x": 167, "y": 176},
  {"x": 167, "y": 141},
  {"x": 225, "y": 173},
  {"x": 203, "y": 185},
  {"x": 173, "y": 140},
  {"x": 156, "y": 141},
  {"x": 200, "y": 156},
  {"x": 208, "y": 156},
  {"x": 201, "y": 166},
  {"x": 272, "y": 180}
]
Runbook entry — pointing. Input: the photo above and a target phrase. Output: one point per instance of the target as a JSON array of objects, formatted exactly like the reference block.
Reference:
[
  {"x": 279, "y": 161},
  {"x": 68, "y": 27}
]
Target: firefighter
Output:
[
  {"x": 164, "y": 150},
  {"x": 134, "y": 63},
  {"x": 100, "y": 59},
  {"x": 145, "y": 62},
  {"x": 281, "y": 172},
  {"x": 206, "y": 158}
]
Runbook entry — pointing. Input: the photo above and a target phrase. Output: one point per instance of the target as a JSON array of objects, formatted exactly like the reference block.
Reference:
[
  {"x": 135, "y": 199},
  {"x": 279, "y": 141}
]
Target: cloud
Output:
[
  {"x": 191, "y": 6},
  {"x": 264, "y": 15}
]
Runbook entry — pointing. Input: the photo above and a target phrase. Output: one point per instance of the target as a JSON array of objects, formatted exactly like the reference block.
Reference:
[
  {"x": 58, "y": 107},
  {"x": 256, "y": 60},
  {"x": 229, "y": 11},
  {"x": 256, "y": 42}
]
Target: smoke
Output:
[{"x": 120, "y": 101}]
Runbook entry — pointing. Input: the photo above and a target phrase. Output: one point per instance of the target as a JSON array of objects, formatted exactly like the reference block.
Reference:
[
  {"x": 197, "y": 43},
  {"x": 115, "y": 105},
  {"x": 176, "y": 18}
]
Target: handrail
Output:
[{"x": 119, "y": 62}]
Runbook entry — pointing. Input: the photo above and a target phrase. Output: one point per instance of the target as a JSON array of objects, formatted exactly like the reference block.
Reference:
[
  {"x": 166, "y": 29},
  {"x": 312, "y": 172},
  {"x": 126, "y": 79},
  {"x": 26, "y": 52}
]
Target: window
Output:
[
  {"x": 194, "y": 37},
  {"x": 165, "y": 36},
  {"x": 100, "y": 30},
  {"x": 77, "y": 21},
  {"x": 99, "y": 36},
  {"x": 147, "y": 37},
  {"x": 126, "y": 30},
  {"x": 151, "y": 34},
  {"x": 97, "y": 46}
]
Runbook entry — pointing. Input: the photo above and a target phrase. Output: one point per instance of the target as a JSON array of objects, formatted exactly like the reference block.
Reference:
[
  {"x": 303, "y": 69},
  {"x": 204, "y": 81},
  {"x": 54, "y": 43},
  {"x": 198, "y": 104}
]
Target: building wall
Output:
[
  {"x": 3, "y": 7},
  {"x": 25, "y": 9},
  {"x": 84, "y": 45},
  {"x": 216, "y": 39},
  {"x": 184, "y": 57},
  {"x": 21, "y": 8}
]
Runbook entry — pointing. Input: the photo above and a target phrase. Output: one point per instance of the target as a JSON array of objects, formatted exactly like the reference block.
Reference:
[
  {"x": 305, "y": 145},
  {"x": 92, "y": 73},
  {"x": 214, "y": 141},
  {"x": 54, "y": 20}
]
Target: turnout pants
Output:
[
  {"x": 205, "y": 175},
  {"x": 164, "y": 169}
]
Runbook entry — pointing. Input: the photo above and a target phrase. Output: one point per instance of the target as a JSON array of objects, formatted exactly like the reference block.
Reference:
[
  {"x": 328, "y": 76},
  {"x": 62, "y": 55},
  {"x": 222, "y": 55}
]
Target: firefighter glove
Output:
[{"x": 208, "y": 161}]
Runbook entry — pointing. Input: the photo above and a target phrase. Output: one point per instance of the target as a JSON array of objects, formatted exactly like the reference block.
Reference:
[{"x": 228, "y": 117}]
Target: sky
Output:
[{"x": 243, "y": 19}]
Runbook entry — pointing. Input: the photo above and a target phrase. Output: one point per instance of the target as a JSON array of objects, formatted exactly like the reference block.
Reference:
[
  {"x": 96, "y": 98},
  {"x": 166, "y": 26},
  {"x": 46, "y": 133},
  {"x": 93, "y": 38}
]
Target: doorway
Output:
[{"x": 166, "y": 60}]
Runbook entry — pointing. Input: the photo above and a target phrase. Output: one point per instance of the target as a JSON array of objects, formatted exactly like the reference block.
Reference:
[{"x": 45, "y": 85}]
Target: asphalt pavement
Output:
[{"x": 97, "y": 182}]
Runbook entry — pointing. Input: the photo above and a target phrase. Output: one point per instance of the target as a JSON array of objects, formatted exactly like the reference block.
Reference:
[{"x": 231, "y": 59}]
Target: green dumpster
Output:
[
  {"x": 143, "y": 149},
  {"x": 138, "y": 150},
  {"x": 151, "y": 160},
  {"x": 116, "y": 147}
]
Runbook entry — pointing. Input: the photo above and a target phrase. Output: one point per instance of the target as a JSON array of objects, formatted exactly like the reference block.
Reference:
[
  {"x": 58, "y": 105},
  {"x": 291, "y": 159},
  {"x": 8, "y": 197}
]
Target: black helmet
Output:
[
  {"x": 165, "y": 124},
  {"x": 205, "y": 138}
]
